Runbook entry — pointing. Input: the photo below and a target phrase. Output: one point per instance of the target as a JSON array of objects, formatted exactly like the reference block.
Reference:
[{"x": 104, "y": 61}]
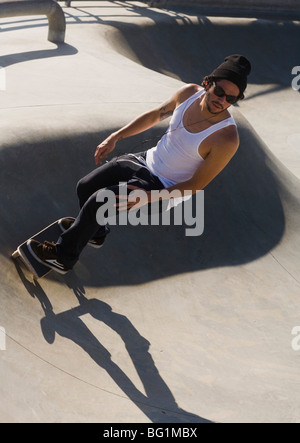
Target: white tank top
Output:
[{"x": 176, "y": 157}]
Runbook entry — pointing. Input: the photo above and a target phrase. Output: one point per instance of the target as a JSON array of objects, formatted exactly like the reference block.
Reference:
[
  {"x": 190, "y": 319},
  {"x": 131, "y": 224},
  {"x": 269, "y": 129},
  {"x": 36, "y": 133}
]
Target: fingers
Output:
[
  {"x": 105, "y": 148},
  {"x": 100, "y": 154},
  {"x": 137, "y": 198},
  {"x": 123, "y": 204}
]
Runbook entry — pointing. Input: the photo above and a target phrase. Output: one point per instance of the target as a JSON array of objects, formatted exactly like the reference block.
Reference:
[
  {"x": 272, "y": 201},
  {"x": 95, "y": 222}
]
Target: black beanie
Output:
[{"x": 235, "y": 68}]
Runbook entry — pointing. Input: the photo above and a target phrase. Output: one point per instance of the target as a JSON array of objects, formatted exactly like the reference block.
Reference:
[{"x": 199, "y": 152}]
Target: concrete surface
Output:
[
  {"x": 156, "y": 327},
  {"x": 280, "y": 8}
]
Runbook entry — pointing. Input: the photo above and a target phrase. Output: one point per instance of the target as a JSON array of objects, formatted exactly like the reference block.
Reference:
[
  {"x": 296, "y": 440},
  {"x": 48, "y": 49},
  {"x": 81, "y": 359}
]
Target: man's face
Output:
[{"x": 216, "y": 104}]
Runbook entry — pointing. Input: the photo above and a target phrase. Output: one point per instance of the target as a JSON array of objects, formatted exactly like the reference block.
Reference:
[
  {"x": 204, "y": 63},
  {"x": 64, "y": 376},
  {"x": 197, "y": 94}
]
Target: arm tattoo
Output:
[{"x": 164, "y": 113}]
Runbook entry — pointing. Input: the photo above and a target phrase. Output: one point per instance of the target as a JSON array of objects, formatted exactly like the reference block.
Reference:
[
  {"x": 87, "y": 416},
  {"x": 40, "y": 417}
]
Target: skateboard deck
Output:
[{"x": 50, "y": 233}]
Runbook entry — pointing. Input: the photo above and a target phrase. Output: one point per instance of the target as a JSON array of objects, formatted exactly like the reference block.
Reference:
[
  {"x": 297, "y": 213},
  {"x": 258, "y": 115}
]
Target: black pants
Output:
[{"x": 127, "y": 168}]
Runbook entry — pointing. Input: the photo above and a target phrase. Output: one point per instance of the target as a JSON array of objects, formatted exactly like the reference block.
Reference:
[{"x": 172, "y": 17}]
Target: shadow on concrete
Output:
[
  {"x": 60, "y": 51},
  {"x": 158, "y": 402},
  {"x": 187, "y": 48},
  {"x": 196, "y": 48},
  {"x": 244, "y": 218}
]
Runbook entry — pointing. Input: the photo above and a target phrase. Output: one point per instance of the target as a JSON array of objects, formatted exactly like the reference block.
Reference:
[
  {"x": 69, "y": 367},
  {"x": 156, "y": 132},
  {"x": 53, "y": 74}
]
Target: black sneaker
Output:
[
  {"x": 46, "y": 255},
  {"x": 96, "y": 242}
]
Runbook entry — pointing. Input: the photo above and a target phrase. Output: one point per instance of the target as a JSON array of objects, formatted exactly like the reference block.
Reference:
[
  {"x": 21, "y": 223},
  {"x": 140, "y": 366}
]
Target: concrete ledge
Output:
[
  {"x": 54, "y": 13},
  {"x": 284, "y": 8}
]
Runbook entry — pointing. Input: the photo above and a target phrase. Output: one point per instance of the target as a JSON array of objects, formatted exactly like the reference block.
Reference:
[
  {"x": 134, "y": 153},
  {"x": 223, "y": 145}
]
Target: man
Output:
[{"x": 201, "y": 139}]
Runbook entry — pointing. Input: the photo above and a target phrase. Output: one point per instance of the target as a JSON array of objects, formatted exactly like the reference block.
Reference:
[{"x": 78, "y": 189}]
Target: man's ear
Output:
[{"x": 207, "y": 85}]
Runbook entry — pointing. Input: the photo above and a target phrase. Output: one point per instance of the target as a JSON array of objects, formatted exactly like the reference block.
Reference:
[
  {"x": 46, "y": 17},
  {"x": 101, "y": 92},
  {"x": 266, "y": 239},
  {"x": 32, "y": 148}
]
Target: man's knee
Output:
[
  {"x": 91, "y": 205},
  {"x": 80, "y": 188},
  {"x": 82, "y": 191}
]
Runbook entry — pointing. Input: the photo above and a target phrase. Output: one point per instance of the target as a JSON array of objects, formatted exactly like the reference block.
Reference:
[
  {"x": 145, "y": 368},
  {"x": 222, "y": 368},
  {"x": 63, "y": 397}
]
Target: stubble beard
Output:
[{"x": 209, "y": 107}]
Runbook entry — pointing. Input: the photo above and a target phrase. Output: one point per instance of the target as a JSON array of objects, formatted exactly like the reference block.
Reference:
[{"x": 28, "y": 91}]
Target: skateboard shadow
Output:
[{"x": 158, "y": 402}]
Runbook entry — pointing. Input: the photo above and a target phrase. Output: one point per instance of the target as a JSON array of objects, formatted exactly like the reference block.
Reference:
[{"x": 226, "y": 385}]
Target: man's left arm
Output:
[{"x": 222, "y": 151}]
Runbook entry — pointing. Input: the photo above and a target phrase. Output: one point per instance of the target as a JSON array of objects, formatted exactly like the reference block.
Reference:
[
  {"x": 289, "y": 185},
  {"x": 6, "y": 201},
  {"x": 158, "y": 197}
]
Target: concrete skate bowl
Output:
[
  {"x": 189, "y": 48},
  {"x": 244, "y": 213},
  {"x": 156, "y": 327}
]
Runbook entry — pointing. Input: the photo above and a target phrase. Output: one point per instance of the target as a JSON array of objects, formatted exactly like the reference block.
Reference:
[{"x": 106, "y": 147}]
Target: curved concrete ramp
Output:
[{"x": 157, "y": 326}]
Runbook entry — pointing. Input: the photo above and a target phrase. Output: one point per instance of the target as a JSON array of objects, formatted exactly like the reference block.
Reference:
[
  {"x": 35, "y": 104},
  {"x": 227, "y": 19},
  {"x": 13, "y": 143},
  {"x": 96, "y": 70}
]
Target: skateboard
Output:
[{"x": 37, "y": 269}]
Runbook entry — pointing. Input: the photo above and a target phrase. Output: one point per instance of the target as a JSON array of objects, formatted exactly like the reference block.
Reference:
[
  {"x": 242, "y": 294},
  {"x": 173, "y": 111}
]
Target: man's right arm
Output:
[
  {"x": 136, "y": 126},
  {"x": 142, "y": 123}
]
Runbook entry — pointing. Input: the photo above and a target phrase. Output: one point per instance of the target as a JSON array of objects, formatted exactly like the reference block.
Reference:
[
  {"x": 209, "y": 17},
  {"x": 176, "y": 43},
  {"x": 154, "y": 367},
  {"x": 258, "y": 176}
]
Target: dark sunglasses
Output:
[{"x": 219, "y": 92}]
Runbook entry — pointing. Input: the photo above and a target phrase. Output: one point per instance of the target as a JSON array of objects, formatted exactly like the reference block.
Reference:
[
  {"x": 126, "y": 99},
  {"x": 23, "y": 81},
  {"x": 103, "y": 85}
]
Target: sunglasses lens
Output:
[
  {"x": 219, "y": 92},
  {"x": 231, "y": 99}
]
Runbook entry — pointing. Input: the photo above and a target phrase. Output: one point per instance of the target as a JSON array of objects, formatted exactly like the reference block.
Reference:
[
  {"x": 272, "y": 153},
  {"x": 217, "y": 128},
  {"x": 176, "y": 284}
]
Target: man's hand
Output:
[
  {"x": 137, "y": 198},
  {"x": 105, "y": 148}
]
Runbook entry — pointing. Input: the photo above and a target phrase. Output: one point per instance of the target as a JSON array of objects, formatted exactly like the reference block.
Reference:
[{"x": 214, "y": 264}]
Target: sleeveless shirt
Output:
[{"x": 176, "y": 157}]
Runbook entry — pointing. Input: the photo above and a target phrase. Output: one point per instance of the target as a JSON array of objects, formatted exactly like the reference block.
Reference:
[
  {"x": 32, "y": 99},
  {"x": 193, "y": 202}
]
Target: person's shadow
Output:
[{"x": 158, "y": 404}]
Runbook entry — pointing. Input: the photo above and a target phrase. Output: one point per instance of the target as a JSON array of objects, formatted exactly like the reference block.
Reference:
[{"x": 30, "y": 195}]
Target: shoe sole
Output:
[
  {"x": 45, "y": 263},
  {"x": 92, "y": 245}
]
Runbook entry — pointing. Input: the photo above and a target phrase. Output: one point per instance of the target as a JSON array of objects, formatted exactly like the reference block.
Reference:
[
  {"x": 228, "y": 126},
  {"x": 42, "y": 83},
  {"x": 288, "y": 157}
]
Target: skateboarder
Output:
[{"x": 201, "y": 139}]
